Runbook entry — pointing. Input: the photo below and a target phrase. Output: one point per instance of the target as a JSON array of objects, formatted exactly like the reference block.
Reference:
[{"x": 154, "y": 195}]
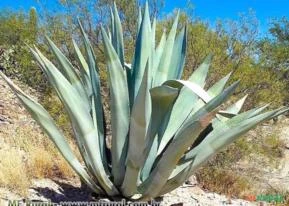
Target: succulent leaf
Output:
[
  {"x": 120, "y": 110},
  {"x": 142, "y": 54},
  {"x": 117, "y": 35},
  {"x": 163, "y": 70},
  {"x": 96, "y": 100},
  {"x": 140, "y": 117},
  {"x": 179, "y": 54},
  {"x": 163, "y": 98},
  {"x": 81, "y": 121},
  {"x": 47, "y": 123}
]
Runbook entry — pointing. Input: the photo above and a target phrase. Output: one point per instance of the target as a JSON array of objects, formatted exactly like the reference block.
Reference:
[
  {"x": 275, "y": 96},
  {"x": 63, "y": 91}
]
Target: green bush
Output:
[{"x": 17, "y": 30}]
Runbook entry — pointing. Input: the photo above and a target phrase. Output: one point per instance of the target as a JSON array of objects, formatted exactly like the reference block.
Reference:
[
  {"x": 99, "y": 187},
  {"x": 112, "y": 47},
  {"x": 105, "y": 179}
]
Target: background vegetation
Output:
[{"x": 260, "y": 61}]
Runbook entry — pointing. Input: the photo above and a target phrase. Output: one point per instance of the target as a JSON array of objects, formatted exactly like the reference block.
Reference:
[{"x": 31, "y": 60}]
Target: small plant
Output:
[{"x": 163, "y": 128}]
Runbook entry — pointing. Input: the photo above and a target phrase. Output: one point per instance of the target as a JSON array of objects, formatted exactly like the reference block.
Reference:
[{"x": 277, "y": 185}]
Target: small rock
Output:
[{"x": 192, "y": 180}]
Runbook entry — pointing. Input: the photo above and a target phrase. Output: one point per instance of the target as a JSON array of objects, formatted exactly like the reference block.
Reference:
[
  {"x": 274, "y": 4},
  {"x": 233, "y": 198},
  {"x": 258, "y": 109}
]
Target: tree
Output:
[{"x": 274, "y": 51}]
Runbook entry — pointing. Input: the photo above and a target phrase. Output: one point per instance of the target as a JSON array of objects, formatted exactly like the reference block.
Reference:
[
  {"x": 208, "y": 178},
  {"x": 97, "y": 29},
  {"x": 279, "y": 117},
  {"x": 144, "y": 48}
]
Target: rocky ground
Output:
[
  {"x": 56, "y": 191},
  {"x": 69, "y": 190}
]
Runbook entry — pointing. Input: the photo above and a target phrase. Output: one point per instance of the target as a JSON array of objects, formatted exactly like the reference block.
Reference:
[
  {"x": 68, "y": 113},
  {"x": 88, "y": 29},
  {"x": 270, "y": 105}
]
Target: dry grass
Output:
[
  {"x": 41, "y": 163},
  {"x": 13, "y": 173},
  {"x": 48, "y": 165},
  {"x": 30, "y": 154}
]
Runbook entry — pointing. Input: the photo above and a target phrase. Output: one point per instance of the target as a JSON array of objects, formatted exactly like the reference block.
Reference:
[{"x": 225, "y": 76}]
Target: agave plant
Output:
[{"x": 163, "y": 128}]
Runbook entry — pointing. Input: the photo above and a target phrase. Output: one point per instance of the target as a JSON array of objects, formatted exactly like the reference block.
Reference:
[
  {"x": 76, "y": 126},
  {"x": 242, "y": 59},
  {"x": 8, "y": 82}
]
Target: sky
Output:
[{"x": 209, "y": 10}]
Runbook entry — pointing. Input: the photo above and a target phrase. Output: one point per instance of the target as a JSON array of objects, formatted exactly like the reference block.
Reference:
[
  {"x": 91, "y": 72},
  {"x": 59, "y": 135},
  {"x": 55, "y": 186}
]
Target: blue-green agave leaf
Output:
[
  {"x": 43, "y": 118},
  {"x": 164, "y": 66},
  {"x": 232, "y": 110},
  {"x": 221, "y": 138},
  {"x": 235, "y": 120},
  {"x": 179, "y": 145},
  {"x": 195, "y": 88},
  {"x": 179, "y": 55},
  {"x": 157, "y": 57},
  {"x": 141, "y": 55},
  {"x": 84, "y": 73},
  {"x": 199, "y": 76},
  {"x": 163, "y": 98},
  {"x": 140, "y": 118},
  {"x": 186, "y": 104},
  {"x": 69, "y": 71},
  {"x": 81, "y": 121},
  {"x": 139, "y": 20},
  {"x": 243, "y": 123},
  {"x": 96, "y": 100},
  {"x": 112, "y": 27},
  {"x": 120, "y": 110},
  {"x": 153, "y": 34},
  {"x": 117, "y": 35},
  {"x": 81, "y": 60}
]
